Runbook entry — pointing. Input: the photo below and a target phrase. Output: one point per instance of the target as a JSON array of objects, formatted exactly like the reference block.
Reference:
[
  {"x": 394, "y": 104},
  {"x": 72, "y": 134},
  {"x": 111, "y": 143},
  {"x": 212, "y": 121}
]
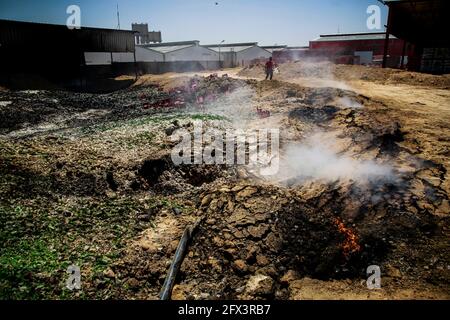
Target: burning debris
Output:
[
  {"x": 198, "y": 91},
  {"x": 350, "y": 244}
]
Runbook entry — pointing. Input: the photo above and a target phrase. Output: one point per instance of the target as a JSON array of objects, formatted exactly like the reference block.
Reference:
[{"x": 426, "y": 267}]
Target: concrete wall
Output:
[
  {"x": 245, "y": 57},
  {"x": 104, "y": 58},
  {"x": 97, "y": 58},
  {"x": 195, "y": 58},
  {"x": 123, "y": 57},
  {"x": 155, "y": 67},
  {"x": 175, "y": 66},
  {"x": 146, "y": 55},
  {"x": 194, "y": 53}
]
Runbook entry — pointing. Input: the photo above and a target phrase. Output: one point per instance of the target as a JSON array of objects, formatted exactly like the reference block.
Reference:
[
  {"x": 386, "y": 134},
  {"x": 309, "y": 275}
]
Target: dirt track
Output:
[{"x": 90, "y": 182}]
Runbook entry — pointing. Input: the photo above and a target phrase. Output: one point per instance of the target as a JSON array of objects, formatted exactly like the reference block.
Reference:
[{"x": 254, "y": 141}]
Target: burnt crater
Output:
[
  {"x": 310, "y": 114},
  {"x": 162, "y": 175}
]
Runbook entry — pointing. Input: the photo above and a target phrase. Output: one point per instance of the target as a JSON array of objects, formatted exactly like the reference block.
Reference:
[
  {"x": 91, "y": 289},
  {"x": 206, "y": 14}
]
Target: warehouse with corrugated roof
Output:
[
  {"x": 239, "y": 54},
  {"x": 58, "y": 50},
  {"x": 360, "y": 48},
  {"x": 183, "y": 51},
  {"x": 144, "y": 54},
  {"x": 176, "y": 56}
]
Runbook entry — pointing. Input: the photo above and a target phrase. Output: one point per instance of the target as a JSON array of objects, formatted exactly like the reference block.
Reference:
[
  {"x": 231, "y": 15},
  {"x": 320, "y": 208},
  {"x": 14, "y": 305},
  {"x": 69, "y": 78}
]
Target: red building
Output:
[{"x": 361, "y": 48}]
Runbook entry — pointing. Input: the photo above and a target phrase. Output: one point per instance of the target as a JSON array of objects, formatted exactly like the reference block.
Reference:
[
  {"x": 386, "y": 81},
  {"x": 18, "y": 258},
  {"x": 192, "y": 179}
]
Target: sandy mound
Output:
[{"x": 327, "y": 70}]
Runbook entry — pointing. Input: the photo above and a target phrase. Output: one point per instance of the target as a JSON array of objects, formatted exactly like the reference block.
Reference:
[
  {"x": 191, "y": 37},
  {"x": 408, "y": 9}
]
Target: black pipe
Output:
[{"x": 169, "y": 282}]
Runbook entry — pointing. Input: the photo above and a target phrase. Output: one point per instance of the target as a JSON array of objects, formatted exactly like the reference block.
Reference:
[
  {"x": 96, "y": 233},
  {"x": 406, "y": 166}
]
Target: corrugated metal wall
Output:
[
  {"x": 20, "y": 34},
  {"x": 54, "y": 49}
]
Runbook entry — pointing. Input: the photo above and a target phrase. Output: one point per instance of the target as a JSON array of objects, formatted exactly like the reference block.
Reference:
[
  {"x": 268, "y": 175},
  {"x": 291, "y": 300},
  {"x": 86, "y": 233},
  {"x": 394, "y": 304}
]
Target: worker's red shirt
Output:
[{"x": 269, "y": 65}]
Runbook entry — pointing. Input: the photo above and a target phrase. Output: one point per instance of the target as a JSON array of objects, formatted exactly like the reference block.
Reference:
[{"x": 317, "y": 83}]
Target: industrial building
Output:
[
  {"x": 415, "y": 39},
  {"x": 144, "y": 54},
  {"x": 183, "y": 51},
  {"x": 239, "y": 54},
  {"x": 424, "y": 25},
  {"x": 60, "y": 54},
  {"x": 350, "y": 48},
  {"x": 55, "y": 49},
  {"x": 175, "y": 57},
  {"x": 360, "y": 48},
  {"x": 141, "y": 54},
  {"x": 143, "y": 36}
]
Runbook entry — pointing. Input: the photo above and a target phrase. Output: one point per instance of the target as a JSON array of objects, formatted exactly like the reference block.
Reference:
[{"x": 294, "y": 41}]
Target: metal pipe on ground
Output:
[{"x": 169, "y": 282}]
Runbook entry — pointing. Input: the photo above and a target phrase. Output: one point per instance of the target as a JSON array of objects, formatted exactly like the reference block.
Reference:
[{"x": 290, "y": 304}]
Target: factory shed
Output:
[
  {"x": 143, "y": 36},
  {"x": 183, "y": 51},
  {"x": 178, "y": 56},
  {"x": 359, "y": 48},
  {"x": 58, "y": 51},
  {"x": 424, "y": 24},
  {"x": 239, "y": 54},
  {"x": 144, "y": 54}
]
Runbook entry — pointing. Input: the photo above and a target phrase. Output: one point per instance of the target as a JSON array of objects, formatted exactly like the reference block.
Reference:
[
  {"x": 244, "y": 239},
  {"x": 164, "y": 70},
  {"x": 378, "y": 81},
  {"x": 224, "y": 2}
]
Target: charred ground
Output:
[{"x": 88, "y": 179}]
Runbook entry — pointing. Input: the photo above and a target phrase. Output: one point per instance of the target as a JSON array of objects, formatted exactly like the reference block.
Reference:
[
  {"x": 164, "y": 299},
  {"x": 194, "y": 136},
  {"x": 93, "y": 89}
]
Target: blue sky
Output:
[{"x": 291, "y": 22}]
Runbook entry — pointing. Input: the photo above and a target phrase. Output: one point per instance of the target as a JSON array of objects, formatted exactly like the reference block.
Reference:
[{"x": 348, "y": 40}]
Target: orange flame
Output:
[{"x": 350, "y": 244}]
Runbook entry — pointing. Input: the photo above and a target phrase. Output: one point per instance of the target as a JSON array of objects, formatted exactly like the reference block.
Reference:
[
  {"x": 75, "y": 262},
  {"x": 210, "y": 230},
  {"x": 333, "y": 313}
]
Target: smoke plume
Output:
[{"x": 316, "y": 159}]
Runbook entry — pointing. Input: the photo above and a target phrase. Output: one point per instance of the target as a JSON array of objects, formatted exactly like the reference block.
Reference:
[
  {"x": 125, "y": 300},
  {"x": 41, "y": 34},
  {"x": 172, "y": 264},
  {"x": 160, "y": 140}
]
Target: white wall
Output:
[
  {"x": 97, "y": 58},
  {"x": 250, "y": 54},
  {"x": 194, "y": 53},
  {"x": 123, "y": 57},
  {"x": 146, "y": 55}
]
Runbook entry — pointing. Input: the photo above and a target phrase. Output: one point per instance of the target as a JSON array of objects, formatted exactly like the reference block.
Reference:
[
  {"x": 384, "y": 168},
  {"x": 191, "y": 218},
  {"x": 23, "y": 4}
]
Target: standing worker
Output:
[{"x": 269, "y": 69}]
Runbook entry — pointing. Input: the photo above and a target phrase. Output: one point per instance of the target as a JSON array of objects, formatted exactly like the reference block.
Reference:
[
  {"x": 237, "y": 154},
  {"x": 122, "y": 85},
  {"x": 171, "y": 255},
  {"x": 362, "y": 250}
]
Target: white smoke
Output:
[
  {"x": 346, "y": 102},
  {"x": 315, "y": 72},
  {"x": 237, "y": 106},
  {"x": 316, "y": 159}
]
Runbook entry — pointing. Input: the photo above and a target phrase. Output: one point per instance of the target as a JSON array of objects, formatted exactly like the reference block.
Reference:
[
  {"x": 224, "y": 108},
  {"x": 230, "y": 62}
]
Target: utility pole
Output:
[
  {"x": 386, "y": 40},
  {"x": 220, "y": 62},
  {"x": 118, "y": 18}
]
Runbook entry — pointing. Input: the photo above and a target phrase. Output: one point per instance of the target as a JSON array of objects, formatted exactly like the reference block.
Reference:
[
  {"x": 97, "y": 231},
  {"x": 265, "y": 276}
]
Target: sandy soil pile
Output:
[{"x": 329, "y": 70}]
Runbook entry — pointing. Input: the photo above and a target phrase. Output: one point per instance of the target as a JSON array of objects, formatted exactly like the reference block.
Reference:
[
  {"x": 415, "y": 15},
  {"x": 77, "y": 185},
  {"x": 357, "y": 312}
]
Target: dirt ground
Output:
[{"x": 364, "y": 179}]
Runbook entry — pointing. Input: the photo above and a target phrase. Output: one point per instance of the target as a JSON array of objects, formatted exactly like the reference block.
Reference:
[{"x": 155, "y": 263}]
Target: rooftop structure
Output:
[
  {"x": 231, "y": 47},
  {"x": 166, "y": 47},
  {"x": 353, "y": 36}
]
